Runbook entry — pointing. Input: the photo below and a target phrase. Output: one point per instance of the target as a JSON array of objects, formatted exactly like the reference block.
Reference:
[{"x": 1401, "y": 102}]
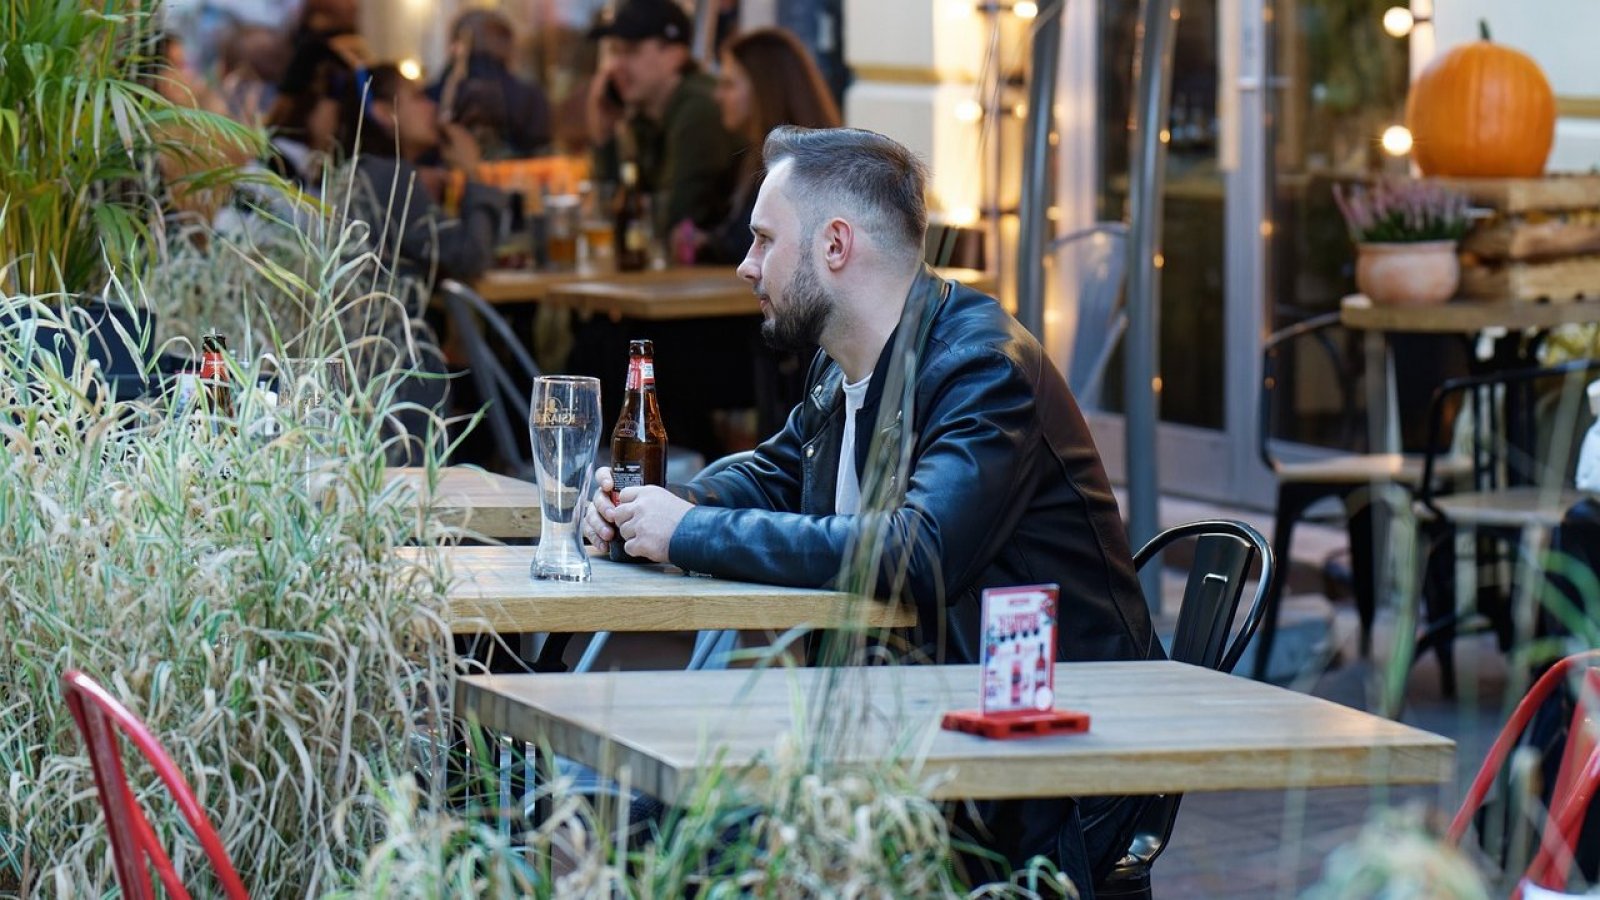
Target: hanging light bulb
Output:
[
  {"x": 1025, "y": 9},
  {"x": 410, "y": 69},
  {"x": 1396, "y": 140},
  {"x": 969, "y": 111},
  {"x": 1398, "y": 21}
]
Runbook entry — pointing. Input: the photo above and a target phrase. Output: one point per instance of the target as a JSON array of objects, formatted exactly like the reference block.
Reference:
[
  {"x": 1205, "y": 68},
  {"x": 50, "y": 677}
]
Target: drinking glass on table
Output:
[
  {"x": 564, "y": 428},
  {"x": 310, "y": 393}
]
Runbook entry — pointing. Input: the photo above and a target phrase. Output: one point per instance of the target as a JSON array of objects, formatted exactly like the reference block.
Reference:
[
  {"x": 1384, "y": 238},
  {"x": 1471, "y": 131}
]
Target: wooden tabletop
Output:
[
  {"x": 684, "y": 292},
  {"x": 524, "y": 285},
  {"x": 1357, "y": 312},
  {"x": 695, "y": 292},
  {"x": 1514, "y": 507},
  {"x": 485, "y": 503},
  {"x": 492, "y": 591},
  {"x": 1155, "y": 727}
]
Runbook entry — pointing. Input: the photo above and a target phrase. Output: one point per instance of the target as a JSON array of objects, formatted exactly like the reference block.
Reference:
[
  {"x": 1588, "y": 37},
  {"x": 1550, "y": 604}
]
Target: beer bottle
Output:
[
  {"x": 215, "y": 381},
  {"x": 632, "y": 230},
  {"x": 639, "y": 442}
]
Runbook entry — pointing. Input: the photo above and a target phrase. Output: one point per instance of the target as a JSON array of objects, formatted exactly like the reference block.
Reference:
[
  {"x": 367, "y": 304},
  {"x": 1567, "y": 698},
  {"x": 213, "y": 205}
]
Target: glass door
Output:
[{"x": 1212, "y": 257}]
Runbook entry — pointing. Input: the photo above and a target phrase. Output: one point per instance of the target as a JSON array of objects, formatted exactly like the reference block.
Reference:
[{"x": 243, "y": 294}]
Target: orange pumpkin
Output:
[{"x": 1481, "y": 110}]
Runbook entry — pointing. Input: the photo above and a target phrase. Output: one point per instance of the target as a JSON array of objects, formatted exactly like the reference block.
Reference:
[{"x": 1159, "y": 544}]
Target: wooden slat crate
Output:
[
  {"x": 1520, "y": 195},
  {"x": 1556, "y": 279}
]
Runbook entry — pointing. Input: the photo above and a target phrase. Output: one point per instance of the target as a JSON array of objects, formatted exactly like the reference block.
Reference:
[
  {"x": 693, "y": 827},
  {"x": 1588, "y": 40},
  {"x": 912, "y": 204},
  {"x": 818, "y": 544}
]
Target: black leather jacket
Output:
[{"x": 1004, "y": 487}]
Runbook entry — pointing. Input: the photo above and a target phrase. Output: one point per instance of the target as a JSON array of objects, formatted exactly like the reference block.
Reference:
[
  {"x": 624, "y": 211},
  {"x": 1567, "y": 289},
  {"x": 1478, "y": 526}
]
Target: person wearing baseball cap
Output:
[{"x": 667, "y": 120}]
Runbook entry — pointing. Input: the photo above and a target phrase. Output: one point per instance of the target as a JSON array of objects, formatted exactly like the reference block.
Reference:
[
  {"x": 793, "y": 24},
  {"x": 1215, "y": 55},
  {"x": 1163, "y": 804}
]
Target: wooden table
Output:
[
  {"x": 492, "y": 591},
  {"x": 686, "y": 292},
  {"x": 1358, "y": 313},
  {"x": 485, "y": 503},
  {"x": 696, "y": 292},
  {"x": 524, "y": 285},
  {"x": 1156, "y": 727}
]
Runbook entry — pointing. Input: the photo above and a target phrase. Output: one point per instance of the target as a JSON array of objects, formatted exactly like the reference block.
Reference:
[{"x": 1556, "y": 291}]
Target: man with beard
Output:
[{"x": 1000, "y": 484}]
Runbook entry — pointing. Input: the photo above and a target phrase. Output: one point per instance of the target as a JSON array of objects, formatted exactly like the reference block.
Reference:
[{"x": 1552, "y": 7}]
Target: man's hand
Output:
[
  {"x": 647, "y": 518},
  {"x": 597, "y": 526}
]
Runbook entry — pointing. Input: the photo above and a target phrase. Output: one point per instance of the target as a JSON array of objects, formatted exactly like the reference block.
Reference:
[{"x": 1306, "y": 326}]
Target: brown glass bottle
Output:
[
  {"x": 215, "y": 381},
  {"x": 632, "y": 229},
  {"x": 639, "y": 442}
]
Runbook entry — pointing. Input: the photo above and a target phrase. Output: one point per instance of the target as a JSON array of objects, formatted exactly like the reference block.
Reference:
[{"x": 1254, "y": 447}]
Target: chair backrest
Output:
[
  {"x": 1225, "y": 552},
  {"x": 133, "y": 842},
  {"x": 1095, "y": 256},
  {"x": 1322, "y": 330},
  {"x": 502, "y": 370},
  {"x": 1505, "y": 435},
  {"x": 1576, "y": 780}
]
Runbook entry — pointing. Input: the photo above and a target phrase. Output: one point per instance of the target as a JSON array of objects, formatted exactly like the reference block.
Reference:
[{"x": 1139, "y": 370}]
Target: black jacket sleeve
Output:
[{"x": 970, "y": 467}]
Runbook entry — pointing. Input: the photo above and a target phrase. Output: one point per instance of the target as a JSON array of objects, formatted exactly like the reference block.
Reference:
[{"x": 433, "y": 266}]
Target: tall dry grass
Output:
[{"x": 254, "y": 617}]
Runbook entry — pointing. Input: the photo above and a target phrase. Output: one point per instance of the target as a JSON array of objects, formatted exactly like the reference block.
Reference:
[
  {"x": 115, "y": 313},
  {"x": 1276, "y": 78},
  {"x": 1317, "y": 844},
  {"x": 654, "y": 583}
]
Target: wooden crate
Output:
[
  {"x": 1528, "y": 238},
  {"x": 1521, "y": 195},
  {"x": 1554, "y": 279}
]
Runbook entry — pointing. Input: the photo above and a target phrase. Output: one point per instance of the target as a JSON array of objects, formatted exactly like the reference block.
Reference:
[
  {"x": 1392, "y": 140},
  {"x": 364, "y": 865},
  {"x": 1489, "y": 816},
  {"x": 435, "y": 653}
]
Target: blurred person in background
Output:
[
  {"x": 509, "y": 117},
  {"x": 385, "y": 123},
  {"x": 650, "y": 103},
  {"x": 767, "y": 79},
  {"x": 303, "y": 126},
  {"x": 253, "y": 61}
]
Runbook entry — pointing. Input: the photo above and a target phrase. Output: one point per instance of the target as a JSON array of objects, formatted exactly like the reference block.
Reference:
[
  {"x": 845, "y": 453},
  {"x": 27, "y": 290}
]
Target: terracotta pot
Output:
[{"x": 1422, "y": 273}]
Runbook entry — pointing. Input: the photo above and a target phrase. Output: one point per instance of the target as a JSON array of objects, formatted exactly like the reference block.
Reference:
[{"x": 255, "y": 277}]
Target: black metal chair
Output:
[
  {"x": 1521, "y": 477},
  {"x": 1225, "y": 553},
  {"x": 1349, "y": 477}
]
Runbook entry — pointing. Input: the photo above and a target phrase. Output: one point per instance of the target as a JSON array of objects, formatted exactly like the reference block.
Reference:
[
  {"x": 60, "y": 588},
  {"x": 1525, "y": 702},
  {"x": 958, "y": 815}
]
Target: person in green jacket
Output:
[{"x": 651, "y": 103}]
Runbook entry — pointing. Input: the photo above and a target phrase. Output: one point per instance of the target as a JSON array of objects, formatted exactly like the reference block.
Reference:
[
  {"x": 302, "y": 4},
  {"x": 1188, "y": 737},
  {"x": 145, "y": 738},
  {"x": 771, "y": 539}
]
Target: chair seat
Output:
[
  {"x": 1355, "y": 468},
  {"x": 1518, "y": 507}
]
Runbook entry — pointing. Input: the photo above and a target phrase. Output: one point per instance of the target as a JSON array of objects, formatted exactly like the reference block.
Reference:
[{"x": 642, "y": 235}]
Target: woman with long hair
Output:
[{"x": 768, "y": 79}]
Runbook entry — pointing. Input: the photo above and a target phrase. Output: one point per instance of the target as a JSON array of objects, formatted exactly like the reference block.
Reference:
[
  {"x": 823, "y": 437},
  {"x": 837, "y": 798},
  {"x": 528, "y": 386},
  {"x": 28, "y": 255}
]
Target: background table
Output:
[
  {"x": 485, "y": 503},
  {"x": 1156, "y": 727},
  {"x": 491, "y": 590},
  {"x": 682, "y": 292},
  {"x": 1464, "y": 316}
]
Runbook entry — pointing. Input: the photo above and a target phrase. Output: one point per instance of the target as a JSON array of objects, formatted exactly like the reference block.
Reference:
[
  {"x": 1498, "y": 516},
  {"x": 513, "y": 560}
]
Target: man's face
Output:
[
  {"x": 643, "y": 70},
  {"x": 795, "y": 305}
]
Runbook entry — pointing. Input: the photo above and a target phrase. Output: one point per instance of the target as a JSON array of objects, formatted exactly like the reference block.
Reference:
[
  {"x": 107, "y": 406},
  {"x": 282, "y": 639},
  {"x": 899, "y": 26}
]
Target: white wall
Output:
[{"x": 1560, "y": 35}]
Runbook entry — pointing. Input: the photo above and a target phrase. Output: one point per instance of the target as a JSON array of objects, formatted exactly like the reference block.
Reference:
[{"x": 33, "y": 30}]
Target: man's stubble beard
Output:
[{"x": 798, "y": 327}]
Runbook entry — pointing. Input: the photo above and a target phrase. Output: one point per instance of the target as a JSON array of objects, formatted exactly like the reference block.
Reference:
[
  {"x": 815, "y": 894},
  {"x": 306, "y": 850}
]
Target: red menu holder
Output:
[{"x": 1019, "y": 669}]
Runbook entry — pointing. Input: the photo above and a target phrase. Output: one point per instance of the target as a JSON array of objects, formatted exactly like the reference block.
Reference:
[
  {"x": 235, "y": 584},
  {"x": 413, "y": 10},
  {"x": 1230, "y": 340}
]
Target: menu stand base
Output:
[{"x": 1016, "y": 725}]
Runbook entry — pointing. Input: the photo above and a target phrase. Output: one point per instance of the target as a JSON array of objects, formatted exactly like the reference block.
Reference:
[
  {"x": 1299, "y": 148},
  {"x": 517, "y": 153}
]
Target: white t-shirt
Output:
[{"x": 847, "y": 493}]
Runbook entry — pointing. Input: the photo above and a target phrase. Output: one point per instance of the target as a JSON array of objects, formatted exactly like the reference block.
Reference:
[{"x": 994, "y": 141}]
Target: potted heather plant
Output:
[{"x": 1406, "y": 234}]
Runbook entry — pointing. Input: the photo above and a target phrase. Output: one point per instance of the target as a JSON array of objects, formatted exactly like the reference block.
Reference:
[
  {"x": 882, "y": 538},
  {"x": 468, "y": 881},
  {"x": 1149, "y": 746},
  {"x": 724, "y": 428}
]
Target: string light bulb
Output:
[
  {"x": 410, "y": 69},
  {"x": 969, "y": 111},
  {"x": 1025, "y": 9},
  {"x": 1396, "y": 140},
  {"x": 1398, "y": 21}
]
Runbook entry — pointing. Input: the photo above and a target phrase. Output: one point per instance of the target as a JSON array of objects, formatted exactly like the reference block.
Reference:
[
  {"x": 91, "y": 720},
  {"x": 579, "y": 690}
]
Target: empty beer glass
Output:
[{"x": 564, "y": 427}]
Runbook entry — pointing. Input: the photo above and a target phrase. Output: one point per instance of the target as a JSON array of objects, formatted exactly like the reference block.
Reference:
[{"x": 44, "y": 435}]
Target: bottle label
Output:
[
  {"x": 641, "y": 374},
  {"x": 625, "y": 475},
  {"x": 637, "y": 237}
]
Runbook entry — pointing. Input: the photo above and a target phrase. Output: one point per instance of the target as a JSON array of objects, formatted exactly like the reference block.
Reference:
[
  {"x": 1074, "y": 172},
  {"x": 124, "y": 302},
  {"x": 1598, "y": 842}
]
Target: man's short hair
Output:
[{"x": 870, "y": 174}]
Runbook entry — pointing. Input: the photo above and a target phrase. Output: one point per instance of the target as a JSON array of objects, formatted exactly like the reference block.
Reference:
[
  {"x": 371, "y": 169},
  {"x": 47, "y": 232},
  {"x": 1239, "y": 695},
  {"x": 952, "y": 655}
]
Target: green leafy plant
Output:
[
  {"x": 1402, "y": 211},
  {"x": 82, "y": 129}
]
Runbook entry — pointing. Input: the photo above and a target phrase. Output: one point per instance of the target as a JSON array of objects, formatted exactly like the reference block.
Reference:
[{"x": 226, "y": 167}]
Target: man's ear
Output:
[{"x": 838, "y": 238}]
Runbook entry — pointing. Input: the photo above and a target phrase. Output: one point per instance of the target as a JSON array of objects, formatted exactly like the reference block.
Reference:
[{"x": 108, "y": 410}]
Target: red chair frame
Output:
[
  {"x": 1576, "y": 779},
  {"x": 133, "y": 842}
]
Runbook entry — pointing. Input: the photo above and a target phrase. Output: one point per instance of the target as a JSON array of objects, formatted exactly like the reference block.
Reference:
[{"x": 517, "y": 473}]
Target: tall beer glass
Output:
[{"x": 564, "y": 426}]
